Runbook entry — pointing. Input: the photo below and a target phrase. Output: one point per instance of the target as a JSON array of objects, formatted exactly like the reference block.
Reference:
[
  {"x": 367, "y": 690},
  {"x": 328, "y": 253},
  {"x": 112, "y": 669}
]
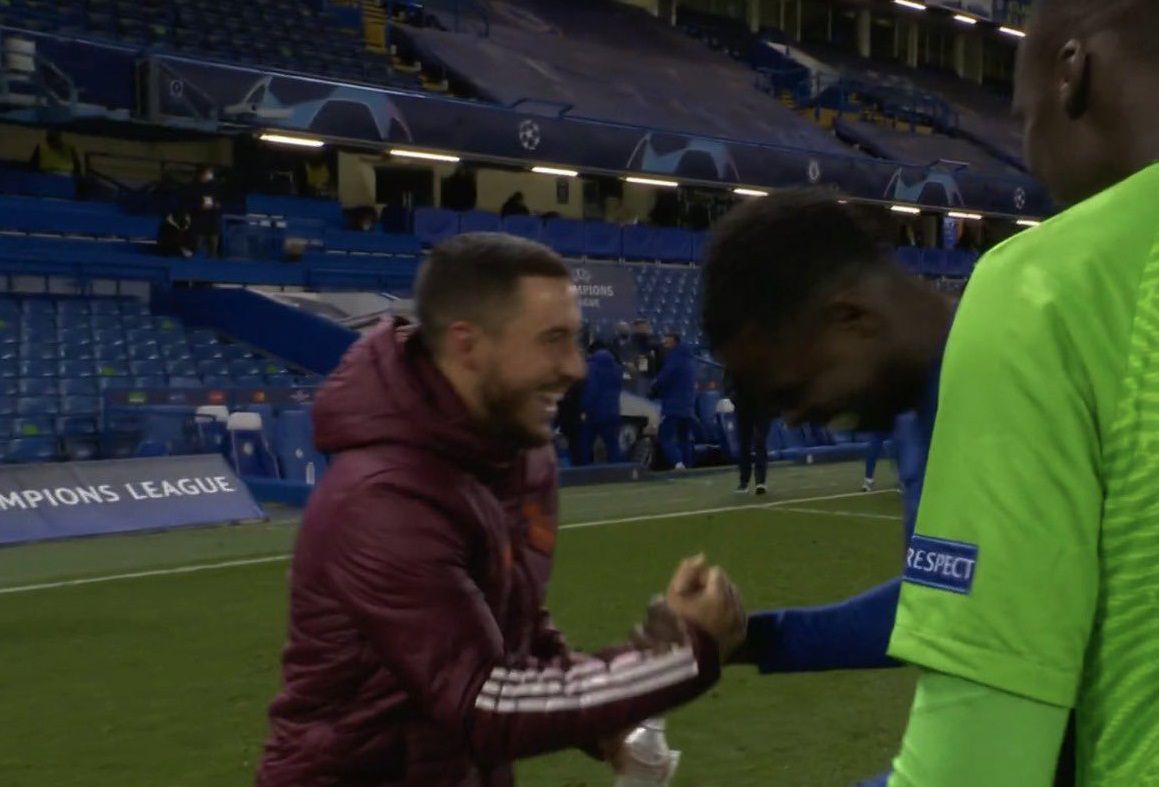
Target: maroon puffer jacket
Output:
[{"x": 419, "y": 650}]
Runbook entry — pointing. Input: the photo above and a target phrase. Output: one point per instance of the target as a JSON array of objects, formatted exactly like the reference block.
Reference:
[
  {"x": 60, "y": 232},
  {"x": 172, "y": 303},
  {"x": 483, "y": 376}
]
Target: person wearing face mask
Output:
[{"x": 420, "y": 651}]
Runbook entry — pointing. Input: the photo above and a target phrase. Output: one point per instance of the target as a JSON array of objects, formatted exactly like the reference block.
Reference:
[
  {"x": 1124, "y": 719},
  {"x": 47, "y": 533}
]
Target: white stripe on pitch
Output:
[{"x": 164, "y": 572}]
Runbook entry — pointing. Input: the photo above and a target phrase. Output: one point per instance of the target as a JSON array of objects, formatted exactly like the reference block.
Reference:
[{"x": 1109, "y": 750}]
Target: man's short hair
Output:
[
  {"x": 1136, "y": 22},
  {"x": 770, "y": 257},
  {"x": 475, "y": 277}
]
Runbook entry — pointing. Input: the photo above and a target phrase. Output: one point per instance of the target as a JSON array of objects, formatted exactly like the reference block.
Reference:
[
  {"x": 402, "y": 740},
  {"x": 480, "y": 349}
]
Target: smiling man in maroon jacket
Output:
[{"x": 420, "y": 652}]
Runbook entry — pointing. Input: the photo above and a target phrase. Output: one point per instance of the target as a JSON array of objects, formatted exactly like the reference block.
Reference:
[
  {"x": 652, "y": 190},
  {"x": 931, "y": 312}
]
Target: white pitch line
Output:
[
  {"x": 720, "y": 510},
  {"x": 852, "y": 514},
  {"x": 257, "y": 561},
  {"x": 161, "y": 572}
]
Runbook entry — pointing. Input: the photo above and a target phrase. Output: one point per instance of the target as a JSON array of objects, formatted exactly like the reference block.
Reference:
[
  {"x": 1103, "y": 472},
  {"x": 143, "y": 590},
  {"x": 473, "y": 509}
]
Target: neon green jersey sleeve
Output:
[
  {"x": 964, "y": 734},
  {"x": 1002, "y": 575}
]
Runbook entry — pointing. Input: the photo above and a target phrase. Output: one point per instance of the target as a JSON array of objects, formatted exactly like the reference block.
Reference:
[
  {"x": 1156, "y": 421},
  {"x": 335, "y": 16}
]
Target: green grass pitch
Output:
[{"x": 161, "y": 678}]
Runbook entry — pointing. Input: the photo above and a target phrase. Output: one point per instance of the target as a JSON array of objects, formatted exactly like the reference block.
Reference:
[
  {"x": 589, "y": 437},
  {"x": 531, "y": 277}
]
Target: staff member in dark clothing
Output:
[
  {"x": 676, "y": 389},
  {"x": 175, "y": 235},
  {"x": 602, "y": 405},
  {"x": 420, "y": 652},
  {"x": 752, "y": 431},
  {"x": 570, "y": 419},
  {"x": 203, "y": 202}
]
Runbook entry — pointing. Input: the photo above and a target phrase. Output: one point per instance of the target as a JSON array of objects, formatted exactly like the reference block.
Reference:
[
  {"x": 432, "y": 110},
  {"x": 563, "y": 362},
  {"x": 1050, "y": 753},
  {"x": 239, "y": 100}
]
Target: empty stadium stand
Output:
[
  {"x": 61, "y": 358},
  {"x": 289, "y": 35},
  {"x": 602, "y": 59}
]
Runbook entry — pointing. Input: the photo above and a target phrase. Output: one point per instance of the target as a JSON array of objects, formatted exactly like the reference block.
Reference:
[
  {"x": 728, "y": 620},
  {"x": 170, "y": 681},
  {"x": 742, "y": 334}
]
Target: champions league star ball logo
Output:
[
  {"x": 529, "y": 135},
  {"x": 581, "y": 275},
  {"x": 1020, "y": 198},
  {"x": 664, "y": 153}
]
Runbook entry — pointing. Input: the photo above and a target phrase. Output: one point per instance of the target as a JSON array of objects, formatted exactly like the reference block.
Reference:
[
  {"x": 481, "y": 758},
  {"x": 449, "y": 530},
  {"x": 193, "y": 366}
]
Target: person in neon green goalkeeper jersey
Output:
[{"x": 1032, "y": 583}]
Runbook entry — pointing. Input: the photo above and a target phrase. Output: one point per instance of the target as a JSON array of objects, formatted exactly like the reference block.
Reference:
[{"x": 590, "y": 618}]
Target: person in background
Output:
[
  {"x": 569, "y": 419},
  {"x": 203, "y": 203},
  {"x": 752, "y": 431},
  {"x": 622, "y": 342},
  {"x": 675, "y": 387},
  {"x": 645, "y": 356},
  {"x": 515, "y": 206},
  {"x": 54, "y": 156},
  {"x": 175, "y": 235},
  {"x": 459, "y": 191},
  {"x": 872, "y": 454},
  {"x": 601, "y": 405}
]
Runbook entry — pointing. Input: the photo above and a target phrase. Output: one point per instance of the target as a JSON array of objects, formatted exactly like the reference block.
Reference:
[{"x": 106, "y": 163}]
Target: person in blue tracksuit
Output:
[
  {"x": 804, "y": 307},
  {"x": 601, "y": 406},
  {"x": 675, "y": 387},
  {"x": 872, "y": 453}
]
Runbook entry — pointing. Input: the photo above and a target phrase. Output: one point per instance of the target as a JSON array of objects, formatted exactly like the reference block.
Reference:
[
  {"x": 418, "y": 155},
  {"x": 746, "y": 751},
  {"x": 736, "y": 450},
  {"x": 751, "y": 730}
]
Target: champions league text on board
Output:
[{"x": 99, "y": 494}]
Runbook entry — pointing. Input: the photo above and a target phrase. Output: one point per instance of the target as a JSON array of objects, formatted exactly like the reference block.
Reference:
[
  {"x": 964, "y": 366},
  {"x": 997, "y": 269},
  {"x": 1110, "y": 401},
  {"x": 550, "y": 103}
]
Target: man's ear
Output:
[
  {"x": 851, "y": 310},
  {"x": 461, "y": 343},
  {"x": 1073, "y": 75}
]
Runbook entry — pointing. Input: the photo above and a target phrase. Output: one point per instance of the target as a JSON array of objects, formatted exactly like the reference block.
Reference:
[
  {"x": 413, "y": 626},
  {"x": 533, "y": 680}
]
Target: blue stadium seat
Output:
[
  {"x": 566, "y": 236},
  {"x": 185, "y": 381},
  {"x": 149, "y": 367},
  {"x": 249, "y": 453},
  {"x": 30, "y": 450},
  {"x": 33, "y": 426},
  {"x": 111, "y": 369},
  {"x": 960, "y": 264},
  {"x": 72, "y": 352},
  {"x": 44, "y": 352},
  {"x": 294, "y": 439},
  {"x": 236, "y": 352},
  {"x": 267, "y": 414},
  {"x": 250, "y": 381},
  {"x": 38, "y": 386},
  {"x": 105, "y": 306},
  {"x": 672, "y": 245},
  {"x": 78, "y": 387},
  {"x": 245, "y": 368},
  {"x": 910, "y": 257},
  {"x": 150, "y": 381},
  {"x": 139, "y": 336},
  {"x": 324, "y": 210},
  {"x": 181, "y": 368},
  {"x": 163, "y": 323},
  {"x": 79, "y": 440},
  {"x": 699, "y": 243},
  {"x": 603, "y": 240},
  {"x": 8, "y": 405},
  {"x": 36, "y": 368},
  {"x": 108, "y": 336},
  {"x": 111, "y": 352},
  {"x": 122, "y": 383},
  {"x": 33, "y": 406},
  {"x": 133, "y": 307},
  {"x": 270, "y": 368},
  {"x": 76, "y": 336},
  {"x": 217, "y": 381},
  {"x": 280, "y": 380},
  {"x": 9, "y": 386},
  {"x": 638, "y": 242},
  {"x": 213, "y": 368},
  {"x": 105, "y": 322},
  {"x": 10, "y": 352},
  {"x": 176, "y": 352},
  {"x": 480, "y": 221},
  {"x": 432, "y": 226},
  {"x": 203, "y": 337},
  {"x": 934, "y": 262},
  {"x": 530, "y": 227},
  {"x": 81, "y": 406}
]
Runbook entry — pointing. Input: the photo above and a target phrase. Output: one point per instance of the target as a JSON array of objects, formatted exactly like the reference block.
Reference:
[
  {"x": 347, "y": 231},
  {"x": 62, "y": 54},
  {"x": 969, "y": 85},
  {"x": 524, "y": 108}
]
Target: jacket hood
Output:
[{"x": 387, "y": 390}]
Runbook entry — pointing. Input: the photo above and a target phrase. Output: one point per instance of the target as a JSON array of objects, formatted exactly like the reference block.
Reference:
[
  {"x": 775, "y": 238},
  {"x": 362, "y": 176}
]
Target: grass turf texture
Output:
[{"x": 164, "y": 679}]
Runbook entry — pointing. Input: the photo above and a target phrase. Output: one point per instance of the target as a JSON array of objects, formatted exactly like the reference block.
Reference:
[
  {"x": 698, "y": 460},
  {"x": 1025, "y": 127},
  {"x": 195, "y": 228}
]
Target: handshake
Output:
[{"x": 700, "y": 595}]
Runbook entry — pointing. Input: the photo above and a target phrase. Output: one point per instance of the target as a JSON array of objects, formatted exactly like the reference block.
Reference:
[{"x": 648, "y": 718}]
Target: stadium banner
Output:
[
  {"x": 51, "y": 501},
  {"x": 197, "y": 397},
  {"x": 186, "y": 90},
  {"x": 606, "y": 291}
]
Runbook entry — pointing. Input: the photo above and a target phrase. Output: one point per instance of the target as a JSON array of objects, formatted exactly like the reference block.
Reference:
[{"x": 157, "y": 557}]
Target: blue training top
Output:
[{"x": 852, "y": 634}]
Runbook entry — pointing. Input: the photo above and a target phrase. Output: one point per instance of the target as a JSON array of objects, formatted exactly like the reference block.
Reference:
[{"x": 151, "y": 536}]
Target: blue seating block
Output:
[
  {"x": 603, "y": 240},
  {"x": 480, "y": 221},
  {"x": 432, "y": 226},
  {"x": 530, "y": 227},
  {"x": 566, "y": 236}
]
